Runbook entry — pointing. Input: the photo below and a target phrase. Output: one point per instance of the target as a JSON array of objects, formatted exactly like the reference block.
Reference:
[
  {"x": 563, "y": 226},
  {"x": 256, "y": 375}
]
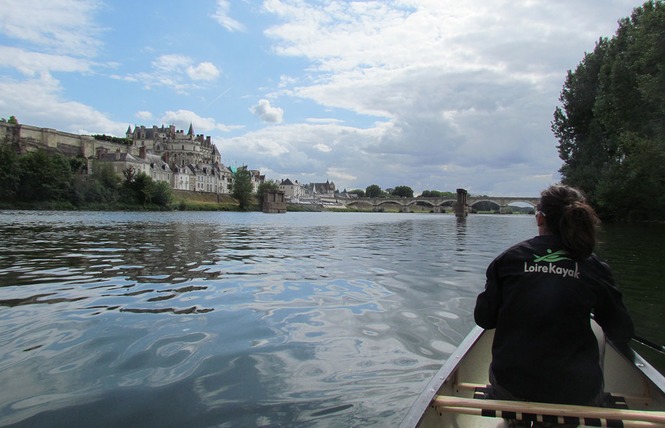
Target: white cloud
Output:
[
  {"x": 222, "y": 17},
  {"x": 171, "y": 63},
  {"x": 63, "y": 27},
  {"x": 295, "y": 151},
  {"x": 144, "y": 115},
  {"x": 182, "y": 119},
  {"x": 175, "y": 71},
  {"x": 40, "y": 103},
  {"x": 268, "y": 113},
  {"x": 203, "y": 71},
  {"x": 322, "y": 148},
  {"x": 33, "y": 63},
  {"x": 461, "y": 91}
]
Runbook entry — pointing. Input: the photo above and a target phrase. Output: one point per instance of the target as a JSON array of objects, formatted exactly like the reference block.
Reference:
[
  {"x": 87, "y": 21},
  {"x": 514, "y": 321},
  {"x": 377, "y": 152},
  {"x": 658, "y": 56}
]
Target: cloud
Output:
[
  {"x": 458, "y": 91},
  {"x": 61, "y": 27},
  {"x": 322, "y": 148},
  {"x": 33, "y": 63},
  {"x": 203, "y": 71},
  {"x": 222, "y": 17},
  {"x": 143, "y": 115},
  {"x": 295, "y": 150},
  {"x": 182, "y": 119},
  {"x": 175, "y": 71},
  {"x": 268, "y": 113},
  {"x": 41, "y": 105}
]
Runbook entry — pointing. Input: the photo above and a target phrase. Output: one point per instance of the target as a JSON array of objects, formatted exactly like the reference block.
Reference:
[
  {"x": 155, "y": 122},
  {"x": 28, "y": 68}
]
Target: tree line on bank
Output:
[
  {"x": 375, "y": 191},
  {"x": 611, "y": 122},
  {"x": 47, "y": 179}
]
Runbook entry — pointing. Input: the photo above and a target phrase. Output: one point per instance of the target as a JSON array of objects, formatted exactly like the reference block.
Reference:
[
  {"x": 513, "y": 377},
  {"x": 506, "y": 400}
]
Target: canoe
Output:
[{"x": 454, "y": 397}]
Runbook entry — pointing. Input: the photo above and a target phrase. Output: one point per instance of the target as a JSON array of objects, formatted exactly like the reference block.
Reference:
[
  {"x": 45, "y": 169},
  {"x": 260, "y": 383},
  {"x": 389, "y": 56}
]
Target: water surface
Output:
[{"x": 238, "y": 319}]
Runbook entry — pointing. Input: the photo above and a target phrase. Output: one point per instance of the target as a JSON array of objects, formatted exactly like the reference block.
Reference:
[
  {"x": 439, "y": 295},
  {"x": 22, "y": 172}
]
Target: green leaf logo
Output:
[{"x": 551, "y": 257}]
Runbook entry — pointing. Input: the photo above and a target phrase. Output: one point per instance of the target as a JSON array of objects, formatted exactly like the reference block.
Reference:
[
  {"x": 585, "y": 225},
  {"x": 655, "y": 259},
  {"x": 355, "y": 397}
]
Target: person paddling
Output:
[{"x": 540, "y": 295}]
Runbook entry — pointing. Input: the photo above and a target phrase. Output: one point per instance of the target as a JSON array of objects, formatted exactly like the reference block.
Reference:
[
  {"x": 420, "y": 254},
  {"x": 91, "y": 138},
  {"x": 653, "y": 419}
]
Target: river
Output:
[{"x": 248, "y": 319}]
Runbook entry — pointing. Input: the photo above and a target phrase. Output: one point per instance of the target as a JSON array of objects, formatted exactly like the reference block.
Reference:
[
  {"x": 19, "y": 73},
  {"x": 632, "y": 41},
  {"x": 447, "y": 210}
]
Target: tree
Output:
[
  {"x": 373, "y": 191},
  {"x": 242, "y": 188},
  {"x": 611, "y": 122},
  {"x": 438, "y": 194},
  {"x": 403, "y": 192},
  {"x": 101, "y": 186},
  {"x": 9, "y": 173},
  {"x": 574, "y": 126},
  {"x": 44, "y": 177},
  {"x": 359, "y": 192},
  {"x": 137, "y": 187},
  {"x": 105, "y": 174},
  {"x": 266, "y": 186},
  {"x": 162, "y": 194},
  {"x": 143, "y": 186}
]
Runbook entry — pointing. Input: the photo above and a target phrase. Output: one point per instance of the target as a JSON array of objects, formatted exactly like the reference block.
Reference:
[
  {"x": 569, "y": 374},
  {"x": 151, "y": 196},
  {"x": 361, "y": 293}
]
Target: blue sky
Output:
[{"x": 431, "y": 94}]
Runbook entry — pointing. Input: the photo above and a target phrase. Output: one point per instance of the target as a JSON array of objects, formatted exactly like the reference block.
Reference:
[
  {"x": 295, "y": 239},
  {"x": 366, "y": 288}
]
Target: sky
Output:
[{"x": 430, "y": 94}]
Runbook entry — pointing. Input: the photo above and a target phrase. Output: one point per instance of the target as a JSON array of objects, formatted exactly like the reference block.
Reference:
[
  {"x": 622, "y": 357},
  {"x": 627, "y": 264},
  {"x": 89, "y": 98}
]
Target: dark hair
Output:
[{"x": 571, "y": 218}]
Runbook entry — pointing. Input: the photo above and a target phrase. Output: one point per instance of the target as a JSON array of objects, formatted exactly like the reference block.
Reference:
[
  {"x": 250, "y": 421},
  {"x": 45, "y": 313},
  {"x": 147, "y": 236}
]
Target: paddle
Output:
[{"x": 649, "y": 344}]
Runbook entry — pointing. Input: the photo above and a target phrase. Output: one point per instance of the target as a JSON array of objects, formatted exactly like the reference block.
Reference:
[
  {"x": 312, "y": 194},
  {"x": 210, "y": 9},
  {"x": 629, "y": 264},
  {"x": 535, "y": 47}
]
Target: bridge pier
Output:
[{"x": 462, "y": 207}]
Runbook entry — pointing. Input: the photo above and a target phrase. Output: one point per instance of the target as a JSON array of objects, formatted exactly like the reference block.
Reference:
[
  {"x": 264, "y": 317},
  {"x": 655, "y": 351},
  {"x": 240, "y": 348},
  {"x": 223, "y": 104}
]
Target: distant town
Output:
[{"x": 185, "y": 160}]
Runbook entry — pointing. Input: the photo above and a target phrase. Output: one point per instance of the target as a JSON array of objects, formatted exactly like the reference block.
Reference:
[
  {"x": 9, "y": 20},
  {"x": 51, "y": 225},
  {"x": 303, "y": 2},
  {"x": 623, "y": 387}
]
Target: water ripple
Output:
[{"x": 232, "y": 319}]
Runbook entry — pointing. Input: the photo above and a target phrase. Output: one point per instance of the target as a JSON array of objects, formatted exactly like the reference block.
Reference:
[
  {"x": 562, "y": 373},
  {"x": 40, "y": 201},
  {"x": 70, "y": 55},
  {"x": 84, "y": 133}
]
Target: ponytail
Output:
[
  {"x": 578, "y": 230},
  {"x": 568, "y": 216}
]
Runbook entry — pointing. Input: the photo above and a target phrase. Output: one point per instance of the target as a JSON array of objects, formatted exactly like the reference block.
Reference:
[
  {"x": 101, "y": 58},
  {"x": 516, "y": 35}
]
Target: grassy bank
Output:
[
  {"x": 182, "y": 201},
  {"x": 193, "y": 201}
]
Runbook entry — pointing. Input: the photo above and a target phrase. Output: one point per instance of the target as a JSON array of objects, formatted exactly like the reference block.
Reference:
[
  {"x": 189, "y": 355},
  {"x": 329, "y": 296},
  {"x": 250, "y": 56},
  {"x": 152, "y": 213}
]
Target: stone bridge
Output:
[{"x": 462, "y": 202}]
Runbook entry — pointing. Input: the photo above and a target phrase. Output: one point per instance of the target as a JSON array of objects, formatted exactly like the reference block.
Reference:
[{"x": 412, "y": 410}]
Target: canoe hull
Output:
[{"x": 642, "y": 386}]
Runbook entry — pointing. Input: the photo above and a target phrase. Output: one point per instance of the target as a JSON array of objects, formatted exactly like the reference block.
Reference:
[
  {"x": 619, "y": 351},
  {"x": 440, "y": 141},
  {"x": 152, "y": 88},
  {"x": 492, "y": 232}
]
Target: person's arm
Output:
[
  {"x": 611, "y": 313},
  {"x": 489, "y": 301}
]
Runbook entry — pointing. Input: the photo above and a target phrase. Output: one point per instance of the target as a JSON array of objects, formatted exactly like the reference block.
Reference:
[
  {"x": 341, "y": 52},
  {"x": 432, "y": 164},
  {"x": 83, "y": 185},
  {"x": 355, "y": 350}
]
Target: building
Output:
[
  {"x": 150, "y": 164},
  {"x": 194, "y": 157},
  {"x": 177, "y": 147},
  {"x": 291, "y": 190},
  {"x": 187, "y": 161},
  {"x": 321, "y": 190}
]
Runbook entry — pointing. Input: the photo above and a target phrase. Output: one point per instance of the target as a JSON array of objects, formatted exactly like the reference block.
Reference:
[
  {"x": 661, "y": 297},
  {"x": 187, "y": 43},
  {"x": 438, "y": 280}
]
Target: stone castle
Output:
[{"x": 186, "y": 161}]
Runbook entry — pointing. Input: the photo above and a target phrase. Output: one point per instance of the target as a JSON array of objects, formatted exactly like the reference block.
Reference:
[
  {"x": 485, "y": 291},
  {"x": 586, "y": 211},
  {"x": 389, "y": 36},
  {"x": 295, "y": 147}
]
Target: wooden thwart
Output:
[{"x": 474, "y": 406}]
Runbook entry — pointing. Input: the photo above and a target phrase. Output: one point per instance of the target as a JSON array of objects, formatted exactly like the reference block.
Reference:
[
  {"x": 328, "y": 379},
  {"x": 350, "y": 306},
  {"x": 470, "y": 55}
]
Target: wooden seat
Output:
[
  {"x": 618, "y": 415},
  {"x": 610, "y": 401}
]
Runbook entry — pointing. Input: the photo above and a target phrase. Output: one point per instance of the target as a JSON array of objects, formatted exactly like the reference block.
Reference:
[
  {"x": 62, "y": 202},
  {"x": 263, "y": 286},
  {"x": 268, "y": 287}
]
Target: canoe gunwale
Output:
[{"x": 423, "y": 401}]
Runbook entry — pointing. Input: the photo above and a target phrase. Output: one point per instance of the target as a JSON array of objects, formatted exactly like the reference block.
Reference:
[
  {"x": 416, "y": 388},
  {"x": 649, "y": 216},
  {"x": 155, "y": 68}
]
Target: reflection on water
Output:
[
  {"x": 233, "y": 319},
  {"x": 636, "y": 256}
]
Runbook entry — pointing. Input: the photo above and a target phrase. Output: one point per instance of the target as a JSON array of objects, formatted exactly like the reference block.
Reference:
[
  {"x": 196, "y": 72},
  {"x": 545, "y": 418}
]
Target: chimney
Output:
[{"x": 142, "y": 152}]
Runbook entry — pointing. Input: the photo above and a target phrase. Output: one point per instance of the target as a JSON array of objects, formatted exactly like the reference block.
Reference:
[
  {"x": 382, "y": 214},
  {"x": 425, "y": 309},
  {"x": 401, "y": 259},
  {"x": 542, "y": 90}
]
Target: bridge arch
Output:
[{"x": 437, "y": 203}]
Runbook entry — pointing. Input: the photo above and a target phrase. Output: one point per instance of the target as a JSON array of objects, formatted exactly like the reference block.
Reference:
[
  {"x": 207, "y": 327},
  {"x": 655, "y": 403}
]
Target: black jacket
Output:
[{"x": 540, "y": 302}]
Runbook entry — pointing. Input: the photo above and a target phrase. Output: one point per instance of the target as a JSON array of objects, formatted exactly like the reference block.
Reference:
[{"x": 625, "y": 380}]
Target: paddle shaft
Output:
[{"x": 649, "y": 344}]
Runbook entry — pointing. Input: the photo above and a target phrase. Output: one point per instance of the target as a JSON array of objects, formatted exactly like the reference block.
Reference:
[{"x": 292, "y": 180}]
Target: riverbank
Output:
[{"x": 182, "y": 201}]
